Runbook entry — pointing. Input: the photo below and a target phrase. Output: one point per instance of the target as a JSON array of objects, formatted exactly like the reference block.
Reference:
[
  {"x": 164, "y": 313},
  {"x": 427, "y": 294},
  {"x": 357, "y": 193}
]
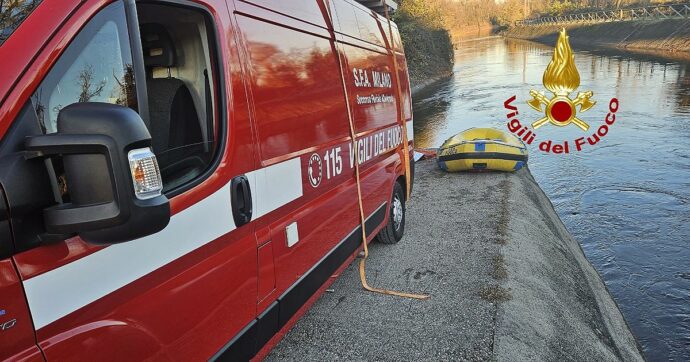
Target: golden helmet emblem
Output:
[{"x": 561, "y": 78}]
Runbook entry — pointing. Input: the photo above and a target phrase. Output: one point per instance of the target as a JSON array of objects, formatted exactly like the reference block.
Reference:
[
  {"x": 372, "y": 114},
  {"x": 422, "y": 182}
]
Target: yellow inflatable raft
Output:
[{"x": 482, "y": 149}]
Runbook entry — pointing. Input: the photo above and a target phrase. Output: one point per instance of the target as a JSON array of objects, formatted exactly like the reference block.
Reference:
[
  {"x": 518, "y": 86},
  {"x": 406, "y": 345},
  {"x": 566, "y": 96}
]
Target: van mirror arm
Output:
[
  {"x": 105, "y": 149},
  {"x": 66, "y": 218}
]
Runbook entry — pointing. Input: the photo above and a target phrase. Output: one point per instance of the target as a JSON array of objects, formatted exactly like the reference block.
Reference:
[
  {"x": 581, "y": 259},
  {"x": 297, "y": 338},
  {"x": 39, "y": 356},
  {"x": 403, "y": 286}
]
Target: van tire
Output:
[{"x": 395, "y": 228}]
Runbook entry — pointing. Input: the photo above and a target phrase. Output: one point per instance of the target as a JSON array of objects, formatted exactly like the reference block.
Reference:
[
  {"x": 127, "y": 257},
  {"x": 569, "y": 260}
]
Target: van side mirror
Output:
[{"x": 112, "y": 176}]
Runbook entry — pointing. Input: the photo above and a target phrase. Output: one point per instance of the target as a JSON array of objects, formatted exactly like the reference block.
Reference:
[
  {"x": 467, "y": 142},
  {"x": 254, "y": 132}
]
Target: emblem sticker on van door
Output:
[{"x": 315, "y": 170}]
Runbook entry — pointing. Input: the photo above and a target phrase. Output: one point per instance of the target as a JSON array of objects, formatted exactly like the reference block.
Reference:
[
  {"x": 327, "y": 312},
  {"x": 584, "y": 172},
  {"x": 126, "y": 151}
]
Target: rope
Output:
[
  {"x": 406, "y": 161},
  {"x": 353, "y": 136}
]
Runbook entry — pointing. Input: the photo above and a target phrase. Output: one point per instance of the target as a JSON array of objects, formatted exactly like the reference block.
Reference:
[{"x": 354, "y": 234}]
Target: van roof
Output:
[{"x": 379, "y": 6}]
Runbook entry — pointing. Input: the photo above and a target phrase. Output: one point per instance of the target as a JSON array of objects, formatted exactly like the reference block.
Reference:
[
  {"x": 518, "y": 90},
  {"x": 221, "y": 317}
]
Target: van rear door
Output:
[{"x": 371, "y": 85}]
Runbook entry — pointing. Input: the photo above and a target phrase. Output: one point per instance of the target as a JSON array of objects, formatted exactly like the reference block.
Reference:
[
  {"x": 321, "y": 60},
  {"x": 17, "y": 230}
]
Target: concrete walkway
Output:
[{"x": 507, "y": 281}]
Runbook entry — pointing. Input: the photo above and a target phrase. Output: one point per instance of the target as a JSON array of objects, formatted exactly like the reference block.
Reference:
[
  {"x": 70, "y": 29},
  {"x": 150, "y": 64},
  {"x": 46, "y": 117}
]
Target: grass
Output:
[
  {"x": 494, "y": 293},
  {"x": 499, "y": 271}
]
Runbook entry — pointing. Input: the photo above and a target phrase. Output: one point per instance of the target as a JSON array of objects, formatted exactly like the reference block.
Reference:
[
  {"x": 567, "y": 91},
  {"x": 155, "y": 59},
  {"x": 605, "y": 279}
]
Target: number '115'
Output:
[{"x": 334, "y": 162}]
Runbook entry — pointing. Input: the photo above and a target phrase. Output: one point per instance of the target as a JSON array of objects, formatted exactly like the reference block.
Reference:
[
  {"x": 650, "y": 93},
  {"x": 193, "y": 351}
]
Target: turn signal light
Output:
[{"x": 146, "y": 175}]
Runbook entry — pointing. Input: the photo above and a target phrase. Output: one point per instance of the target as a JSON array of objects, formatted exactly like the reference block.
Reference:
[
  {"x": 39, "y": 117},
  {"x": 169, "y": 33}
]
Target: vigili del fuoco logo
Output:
[{"x": 561, "y": 78}]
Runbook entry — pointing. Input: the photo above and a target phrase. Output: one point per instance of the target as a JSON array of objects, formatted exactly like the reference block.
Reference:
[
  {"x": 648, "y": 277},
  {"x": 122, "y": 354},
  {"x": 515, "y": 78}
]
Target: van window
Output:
[
  {"x": 177, "y": 45},
  {"x": 396, "y": 39},
  {"x": 369, "y": 27},
  {"x": 346, "y": 18},
  {"x": 96, "y": 67},
  {"x": 357, "y": 22}
]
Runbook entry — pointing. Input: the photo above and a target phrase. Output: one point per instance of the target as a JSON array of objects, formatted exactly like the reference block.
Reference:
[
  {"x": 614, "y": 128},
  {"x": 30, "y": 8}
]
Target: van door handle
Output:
[{"x": 241, "y": 198}]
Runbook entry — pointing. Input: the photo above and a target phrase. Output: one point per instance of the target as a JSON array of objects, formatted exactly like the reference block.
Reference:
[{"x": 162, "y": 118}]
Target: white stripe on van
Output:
[
  {"x": 63, "y": 290},
  {"x": 410, "y": 130},
  {"x": 275, "y": 186}
]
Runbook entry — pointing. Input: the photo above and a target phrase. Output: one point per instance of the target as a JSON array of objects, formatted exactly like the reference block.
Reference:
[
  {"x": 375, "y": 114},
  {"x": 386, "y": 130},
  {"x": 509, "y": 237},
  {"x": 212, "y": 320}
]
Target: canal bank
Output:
[
  {"x": 507, "y": 282},
  {"x": 421, "y": 85},
  {"x": 627, "y": 206},
  {"x": 667, "y": 37}
]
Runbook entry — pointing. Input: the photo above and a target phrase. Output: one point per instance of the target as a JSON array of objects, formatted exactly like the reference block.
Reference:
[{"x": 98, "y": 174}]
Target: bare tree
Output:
[{"x": 88, "y": 88}]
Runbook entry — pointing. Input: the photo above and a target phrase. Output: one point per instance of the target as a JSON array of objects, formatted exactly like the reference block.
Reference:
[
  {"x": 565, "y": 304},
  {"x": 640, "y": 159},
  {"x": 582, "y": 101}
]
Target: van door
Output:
[
  {"x": 182, "y": 293},
  {"x": 302, "y": 128},
  {"x": 17, "y": 341}
]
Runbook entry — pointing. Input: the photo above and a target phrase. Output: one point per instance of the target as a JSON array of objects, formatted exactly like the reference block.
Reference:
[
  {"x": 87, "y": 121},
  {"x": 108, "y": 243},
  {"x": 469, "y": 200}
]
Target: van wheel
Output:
[{"x": 395, "y": 228}]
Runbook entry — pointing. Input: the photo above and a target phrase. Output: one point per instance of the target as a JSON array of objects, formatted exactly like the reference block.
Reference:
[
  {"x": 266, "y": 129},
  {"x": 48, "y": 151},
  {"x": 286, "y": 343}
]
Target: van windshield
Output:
[{"x": 12, "y": 14}]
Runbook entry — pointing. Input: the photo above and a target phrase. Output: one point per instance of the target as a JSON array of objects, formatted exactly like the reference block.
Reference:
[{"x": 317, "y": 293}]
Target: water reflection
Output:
[
  {"x": 433, "y": 103},
  {"x": 626, "y": 199}
]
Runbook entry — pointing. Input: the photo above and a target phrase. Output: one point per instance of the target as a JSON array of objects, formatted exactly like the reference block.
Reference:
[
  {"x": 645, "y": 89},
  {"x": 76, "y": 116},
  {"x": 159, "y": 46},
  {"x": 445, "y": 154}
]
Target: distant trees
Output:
[
  {"x": 430, "y": 13},
  {"x": 424, "y": 30},
  {"x": 456, "y": 16},
  {"x": 459, "y": 16}
]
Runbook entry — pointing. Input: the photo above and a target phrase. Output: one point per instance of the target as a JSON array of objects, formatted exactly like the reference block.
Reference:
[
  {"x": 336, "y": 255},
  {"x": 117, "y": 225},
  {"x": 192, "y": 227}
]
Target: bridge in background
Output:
[{"x": 673, "y": 11}]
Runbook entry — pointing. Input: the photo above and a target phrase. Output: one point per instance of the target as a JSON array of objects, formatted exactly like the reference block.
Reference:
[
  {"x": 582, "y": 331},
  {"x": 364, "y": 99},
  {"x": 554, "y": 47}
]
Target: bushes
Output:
[{"x": 429, "y": 50}]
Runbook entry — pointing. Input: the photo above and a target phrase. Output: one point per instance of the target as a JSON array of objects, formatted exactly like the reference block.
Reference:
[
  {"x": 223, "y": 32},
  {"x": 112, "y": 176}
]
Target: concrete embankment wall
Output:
[
  {"x": 560, "y": 307},
  {"x": 671, "y": 36},
  {"x": 507, "y": 283}
]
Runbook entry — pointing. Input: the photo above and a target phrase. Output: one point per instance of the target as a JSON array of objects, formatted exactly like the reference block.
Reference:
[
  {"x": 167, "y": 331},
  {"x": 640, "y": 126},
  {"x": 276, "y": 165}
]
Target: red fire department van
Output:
[{"x": 177, "y": 178}]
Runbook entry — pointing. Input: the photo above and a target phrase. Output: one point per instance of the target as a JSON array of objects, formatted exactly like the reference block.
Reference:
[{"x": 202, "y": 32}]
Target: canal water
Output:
[{"x": 627, "y": 198}]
